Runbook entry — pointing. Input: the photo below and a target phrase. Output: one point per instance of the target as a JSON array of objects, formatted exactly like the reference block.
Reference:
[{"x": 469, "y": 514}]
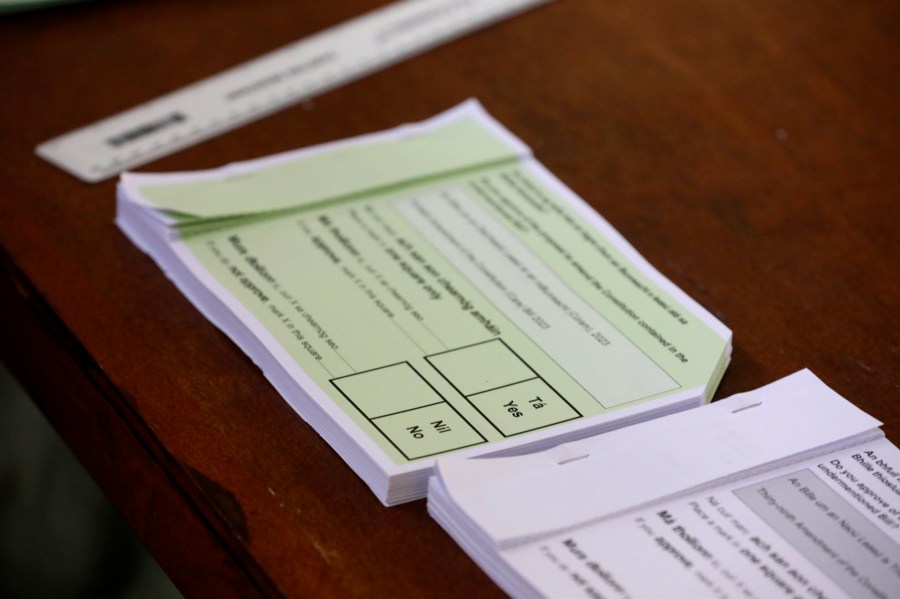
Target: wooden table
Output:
[{"x": 748, "y": 150}]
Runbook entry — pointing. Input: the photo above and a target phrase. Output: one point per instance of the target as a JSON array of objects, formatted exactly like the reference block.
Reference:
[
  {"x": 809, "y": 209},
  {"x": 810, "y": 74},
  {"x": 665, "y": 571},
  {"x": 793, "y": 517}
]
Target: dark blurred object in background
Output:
[{"x": 59, "y": 536}]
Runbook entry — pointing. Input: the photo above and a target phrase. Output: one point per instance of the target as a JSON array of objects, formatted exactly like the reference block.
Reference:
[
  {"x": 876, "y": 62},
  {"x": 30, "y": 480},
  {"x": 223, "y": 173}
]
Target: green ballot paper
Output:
[{"x": 428, "y": 290}]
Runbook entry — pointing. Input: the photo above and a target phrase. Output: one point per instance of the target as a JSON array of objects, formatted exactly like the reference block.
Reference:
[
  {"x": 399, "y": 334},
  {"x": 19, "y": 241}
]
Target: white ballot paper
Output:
[{"x": 786, "y": 491}]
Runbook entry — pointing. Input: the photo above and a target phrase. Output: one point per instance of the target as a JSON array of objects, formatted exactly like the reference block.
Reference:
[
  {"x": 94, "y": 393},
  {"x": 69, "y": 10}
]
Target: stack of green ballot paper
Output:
[{"x": 428, "y": 290}]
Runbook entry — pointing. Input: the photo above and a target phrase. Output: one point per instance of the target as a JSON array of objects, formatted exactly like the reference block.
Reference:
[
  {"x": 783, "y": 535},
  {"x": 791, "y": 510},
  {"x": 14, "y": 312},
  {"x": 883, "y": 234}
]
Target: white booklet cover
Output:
[
  {"x": 428, "y": 290},
  {"x": 786, "y": 491}
]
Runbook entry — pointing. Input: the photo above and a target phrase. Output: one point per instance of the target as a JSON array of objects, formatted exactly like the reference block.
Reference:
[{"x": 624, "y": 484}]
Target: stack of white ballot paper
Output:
[
  {"x": 428, "y": 290},
  {"x": 787, "y": 491}
]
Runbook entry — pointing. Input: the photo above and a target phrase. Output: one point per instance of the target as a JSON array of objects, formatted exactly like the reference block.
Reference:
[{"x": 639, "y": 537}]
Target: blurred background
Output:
[{"x": 59, "y": 536}]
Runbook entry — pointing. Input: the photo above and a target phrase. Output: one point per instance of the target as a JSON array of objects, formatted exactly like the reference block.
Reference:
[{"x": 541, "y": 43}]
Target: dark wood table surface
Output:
[{"x": 748, "y": 150}]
